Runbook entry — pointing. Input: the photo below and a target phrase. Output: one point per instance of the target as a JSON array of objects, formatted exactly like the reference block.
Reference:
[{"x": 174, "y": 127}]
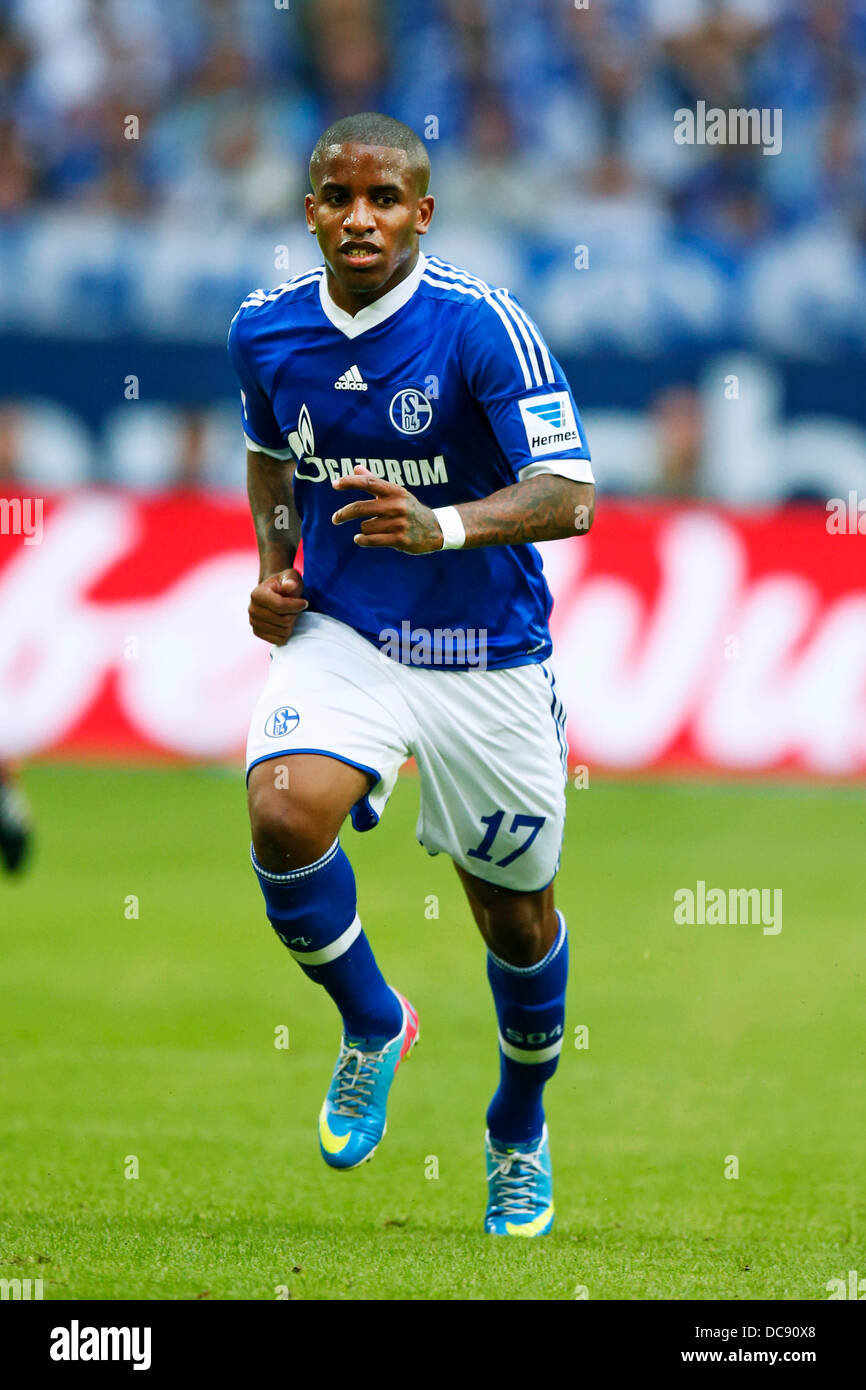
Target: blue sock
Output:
[
  {"x": 313, "y": 910},
  {"x": 530, "y": 1007}
]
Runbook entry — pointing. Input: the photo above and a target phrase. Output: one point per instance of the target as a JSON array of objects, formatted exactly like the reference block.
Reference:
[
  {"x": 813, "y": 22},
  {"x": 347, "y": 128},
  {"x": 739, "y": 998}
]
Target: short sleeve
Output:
[
  {"x": 523, "y": 391},
  {"x": 261, "y": 431}
]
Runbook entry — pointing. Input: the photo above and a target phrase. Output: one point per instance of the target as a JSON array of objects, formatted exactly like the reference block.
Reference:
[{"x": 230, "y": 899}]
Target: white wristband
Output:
[{"x": 453, "y": 533}]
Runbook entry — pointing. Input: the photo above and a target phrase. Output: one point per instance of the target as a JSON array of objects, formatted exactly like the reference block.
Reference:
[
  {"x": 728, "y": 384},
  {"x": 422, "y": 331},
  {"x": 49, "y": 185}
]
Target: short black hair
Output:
[{"x": 374, "y": 128}]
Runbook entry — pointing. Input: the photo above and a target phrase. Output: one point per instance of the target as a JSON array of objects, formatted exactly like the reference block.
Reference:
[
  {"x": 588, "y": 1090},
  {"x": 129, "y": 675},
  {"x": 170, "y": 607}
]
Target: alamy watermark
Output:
[
  {"x": 846, "y": 516},
  {"x": 77, "y": 1343},
  {"x": 438, "y": 646},
  {"x": 729, "y": 907},
  {"x": 20, "y": 1289},
  {"x": 22, "y": 516},
  {"x": 853, "y": 1287},
  {"x": 736, "y": 126}
]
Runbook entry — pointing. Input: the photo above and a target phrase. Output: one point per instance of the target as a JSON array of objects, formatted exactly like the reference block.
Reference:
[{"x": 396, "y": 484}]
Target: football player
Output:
[{"x": 407, "y": 422}]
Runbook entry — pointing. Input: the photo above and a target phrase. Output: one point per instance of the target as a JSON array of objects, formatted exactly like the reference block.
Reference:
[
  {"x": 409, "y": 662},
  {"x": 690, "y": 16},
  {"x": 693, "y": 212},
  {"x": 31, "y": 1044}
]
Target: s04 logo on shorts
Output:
[{"x": 283, "y": 721}]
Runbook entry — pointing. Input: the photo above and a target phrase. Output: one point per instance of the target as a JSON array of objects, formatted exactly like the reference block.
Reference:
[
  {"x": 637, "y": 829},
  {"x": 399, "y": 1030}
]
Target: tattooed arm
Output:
[
  {"x": 277, "y": 599},
  {"x": 272, "y": 503},
  {"x": 545, "y": 508}
]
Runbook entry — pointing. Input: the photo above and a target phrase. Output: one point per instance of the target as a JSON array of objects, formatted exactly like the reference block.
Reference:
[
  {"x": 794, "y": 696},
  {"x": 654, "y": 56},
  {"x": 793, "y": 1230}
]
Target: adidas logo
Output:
[{"x": 351, "y": 381}]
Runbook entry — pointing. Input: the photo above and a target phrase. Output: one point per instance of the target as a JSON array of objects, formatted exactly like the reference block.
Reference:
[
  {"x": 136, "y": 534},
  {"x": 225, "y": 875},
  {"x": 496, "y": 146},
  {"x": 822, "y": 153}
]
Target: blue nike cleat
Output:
[
  {"x": 352, "y": 1120},
  {"x": 520, "y": 1179}
]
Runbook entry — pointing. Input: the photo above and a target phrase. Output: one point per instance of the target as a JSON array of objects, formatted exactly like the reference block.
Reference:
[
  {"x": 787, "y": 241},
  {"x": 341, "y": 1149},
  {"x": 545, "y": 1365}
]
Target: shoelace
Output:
[
  {"x": 515, "y": 1189},
  {"x": 353, "y": 1088}
]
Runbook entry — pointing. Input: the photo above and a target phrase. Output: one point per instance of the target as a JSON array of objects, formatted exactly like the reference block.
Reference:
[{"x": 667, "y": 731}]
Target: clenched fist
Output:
[{"x": 275, "y": 605}]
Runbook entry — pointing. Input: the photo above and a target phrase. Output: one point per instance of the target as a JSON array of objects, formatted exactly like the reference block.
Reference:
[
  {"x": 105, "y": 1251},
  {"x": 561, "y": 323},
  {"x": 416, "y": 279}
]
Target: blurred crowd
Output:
[
  {"x": 153, "y": 155},
  {"x": 538, "y": 108}
]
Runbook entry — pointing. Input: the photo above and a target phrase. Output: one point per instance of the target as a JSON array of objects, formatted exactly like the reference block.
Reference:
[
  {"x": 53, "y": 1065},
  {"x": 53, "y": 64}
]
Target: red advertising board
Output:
[{"x": 685, "y": 636}]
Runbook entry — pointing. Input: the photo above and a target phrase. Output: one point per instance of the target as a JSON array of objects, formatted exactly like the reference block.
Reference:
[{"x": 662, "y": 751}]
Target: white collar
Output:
[{"x": 371, "y": 314}]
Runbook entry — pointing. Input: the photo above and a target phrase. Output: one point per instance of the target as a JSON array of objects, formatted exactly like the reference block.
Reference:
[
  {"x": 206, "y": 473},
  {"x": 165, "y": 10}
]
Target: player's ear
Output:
[
  {"x": 310, "y": 210},
  {"x": 424, "y": 215}
]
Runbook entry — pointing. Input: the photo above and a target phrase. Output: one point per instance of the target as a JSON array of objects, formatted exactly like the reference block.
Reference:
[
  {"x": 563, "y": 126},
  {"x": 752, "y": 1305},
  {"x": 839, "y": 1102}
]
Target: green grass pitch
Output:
[{"x": 153, "y": 1039}]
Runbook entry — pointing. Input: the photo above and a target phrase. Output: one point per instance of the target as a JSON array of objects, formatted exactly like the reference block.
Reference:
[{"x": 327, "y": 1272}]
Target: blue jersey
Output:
[{"x": 444, "y": 386}]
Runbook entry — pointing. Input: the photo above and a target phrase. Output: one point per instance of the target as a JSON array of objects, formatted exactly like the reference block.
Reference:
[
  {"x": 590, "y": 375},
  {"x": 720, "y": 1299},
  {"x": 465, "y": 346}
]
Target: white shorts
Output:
[{"x": 490, "y": 745}]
